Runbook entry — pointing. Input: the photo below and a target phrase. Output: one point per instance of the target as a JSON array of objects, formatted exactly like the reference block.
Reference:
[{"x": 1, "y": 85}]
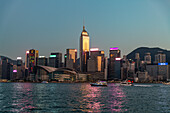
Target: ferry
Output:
[
  {"x": 166, "y": 83},
  {"x": 99, "y": 83},
  {"x": 126, "y": 83},
  {"x": 44, "y": 82}
]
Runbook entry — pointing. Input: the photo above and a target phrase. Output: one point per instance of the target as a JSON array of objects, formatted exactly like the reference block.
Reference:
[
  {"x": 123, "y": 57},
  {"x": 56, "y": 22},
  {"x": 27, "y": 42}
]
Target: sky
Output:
[{"x": 55, "y": 25}]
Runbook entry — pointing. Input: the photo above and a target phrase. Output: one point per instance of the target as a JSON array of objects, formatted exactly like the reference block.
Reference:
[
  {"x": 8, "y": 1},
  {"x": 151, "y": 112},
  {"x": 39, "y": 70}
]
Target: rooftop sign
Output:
[
  {"x": 114, "y": 48},
  {"x": 94, "y": 49},
  {"x": 163, "y": 63},
  {"x": 52, "y": 56}
]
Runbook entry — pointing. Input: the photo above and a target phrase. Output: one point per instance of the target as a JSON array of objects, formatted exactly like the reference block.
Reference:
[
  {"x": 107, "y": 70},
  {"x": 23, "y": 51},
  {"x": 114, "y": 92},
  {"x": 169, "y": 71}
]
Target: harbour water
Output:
[{"x": 81, "y": 97}]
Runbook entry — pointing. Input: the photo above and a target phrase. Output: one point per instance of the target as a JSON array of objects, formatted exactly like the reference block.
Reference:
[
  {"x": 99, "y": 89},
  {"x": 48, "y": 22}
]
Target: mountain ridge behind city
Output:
[{"x": 153, "y": 51}]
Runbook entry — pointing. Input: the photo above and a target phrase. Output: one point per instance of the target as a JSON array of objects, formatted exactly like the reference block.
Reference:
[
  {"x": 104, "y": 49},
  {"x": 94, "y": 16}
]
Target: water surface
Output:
[{"x": 81, "y": 97}]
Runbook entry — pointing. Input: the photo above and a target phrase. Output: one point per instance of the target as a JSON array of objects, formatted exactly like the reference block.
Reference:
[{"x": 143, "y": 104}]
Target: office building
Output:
[
  {"x": 20, "y": 69},
  {"x": 98, "y": 58},
  {"x": 31, "y": 61},
  {"x": 42, "y": 60},
  {"x": 84, "y": 49},
  {"x": 137, "y": 62},
  {"x": 113, "y": 54},
  {"x": 71, "y": 58},
  {"x": 147, "y": 58},
  {"x": 6, "y": 69},
  {"x": 55, "y": 60},
  {"x": 160, "y": 57}
]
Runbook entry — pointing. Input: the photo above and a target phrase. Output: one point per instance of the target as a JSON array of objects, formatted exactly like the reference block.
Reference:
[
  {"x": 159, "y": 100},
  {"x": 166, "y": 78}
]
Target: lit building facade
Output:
[
  {"x": 84, "y": 49},
  {"x": 31, "y": 60},
  {"x": 97, "y": 57},
  {"x": 71, "y": 58}
]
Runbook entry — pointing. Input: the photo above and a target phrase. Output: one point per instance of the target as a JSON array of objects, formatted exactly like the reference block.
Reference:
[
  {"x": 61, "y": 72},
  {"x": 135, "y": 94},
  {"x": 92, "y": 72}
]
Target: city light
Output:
[
  {"x": 19, "y": 58},
  {"x": 41, "y": 56},
  {"x": 117, "y": 58},
  {"x": 114, "y": 48},
  {"x": 102, "y": 52},
  {"x": 51, "y": 56},
  {"x": 27, "y": 52},
  {"x": 94, "y": 49},
  {"x": 14, "y": 71},
  {"x": 163, "y": 63}
]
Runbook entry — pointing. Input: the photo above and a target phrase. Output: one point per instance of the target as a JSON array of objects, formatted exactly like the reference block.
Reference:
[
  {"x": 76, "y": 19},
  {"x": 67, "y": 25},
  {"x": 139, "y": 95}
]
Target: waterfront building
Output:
[
  {"x": 113, "y": 54},
  {"x": 91, "y": 65},
  {"x": 55, "y": 74},
  {"x": 84, "y": 49},
  {"x": 152, "y": 70},
  {"x": 6, "y": 68},
  {"x": 98, "y": 58},
  {"x": 158, "y": 72},
  {"x": 20, "y": 69},
  {"x": 31, "y": 61},
  {"x": 124, "y": 68},
  {"x": 142, "y": 76},
  {"x": 42, "y": 60},
  {"x": 55, "y": 60},
  {"x": 106, "y": 68}
]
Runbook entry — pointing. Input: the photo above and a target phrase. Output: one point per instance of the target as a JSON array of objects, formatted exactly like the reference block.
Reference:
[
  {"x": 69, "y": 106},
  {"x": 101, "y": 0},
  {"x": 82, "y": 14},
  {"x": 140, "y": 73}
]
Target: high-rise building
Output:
[
  {"x": 71, "y": 58},
  {"x": 160, "y": 57},
  {"x": 20, "y": 69},
  {"x": 42, "y": 60},
  {"x": 137, "y": 62},
  {"x": 6, "y": 69},
  {"x": 55, "y": 60},
  {"x": 97, "y": 57},
  {"x": 147, "y": 58},
  {"x": 125, "y": 68},
  {"x": 31, "y": 60},
  {"x": 27, "y": 59},
  {"x": 84, "y": 49},
  {"x": 114, "y": 53}
]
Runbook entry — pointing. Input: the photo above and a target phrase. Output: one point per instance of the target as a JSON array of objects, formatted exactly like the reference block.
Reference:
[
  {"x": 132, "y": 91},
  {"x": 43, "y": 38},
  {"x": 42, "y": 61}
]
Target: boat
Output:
[
  {"x": 166, "y": 83},
  {"x": 126, "y": 83},
  {"x": 44, "y": 82},
  {"x": 99, "y": 83}
]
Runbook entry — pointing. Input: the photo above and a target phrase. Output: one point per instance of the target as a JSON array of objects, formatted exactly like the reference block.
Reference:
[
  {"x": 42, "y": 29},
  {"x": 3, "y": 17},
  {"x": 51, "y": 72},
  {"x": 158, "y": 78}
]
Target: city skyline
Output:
[{"x": 51, "y": 26}]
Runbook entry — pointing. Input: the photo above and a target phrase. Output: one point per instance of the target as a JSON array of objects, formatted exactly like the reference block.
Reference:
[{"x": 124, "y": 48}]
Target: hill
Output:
[{"x": 153, "y": 51}]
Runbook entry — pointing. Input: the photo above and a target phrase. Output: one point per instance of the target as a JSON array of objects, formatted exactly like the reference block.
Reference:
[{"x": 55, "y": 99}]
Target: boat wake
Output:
[{"x": 143, "y": 85}]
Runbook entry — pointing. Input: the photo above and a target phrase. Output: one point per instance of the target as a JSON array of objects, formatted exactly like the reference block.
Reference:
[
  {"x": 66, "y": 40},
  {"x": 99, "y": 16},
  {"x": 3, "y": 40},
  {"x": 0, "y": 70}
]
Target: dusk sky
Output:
[{"x": 55, "y": 25}]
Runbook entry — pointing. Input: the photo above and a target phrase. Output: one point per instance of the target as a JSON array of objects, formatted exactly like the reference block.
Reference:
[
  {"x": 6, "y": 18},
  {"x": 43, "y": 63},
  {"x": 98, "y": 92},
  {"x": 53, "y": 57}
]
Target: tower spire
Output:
[{"x": 83, "y": 24}]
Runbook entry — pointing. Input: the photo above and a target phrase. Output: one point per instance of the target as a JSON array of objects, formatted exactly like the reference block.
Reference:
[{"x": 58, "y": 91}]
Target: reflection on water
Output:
[
  {"x": 81, "y": 97},
  {"x": 99, "y": 99}
]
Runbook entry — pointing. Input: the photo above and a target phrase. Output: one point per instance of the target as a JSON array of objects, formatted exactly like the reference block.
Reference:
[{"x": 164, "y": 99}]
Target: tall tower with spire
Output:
[{"x": 84, "y": 49}]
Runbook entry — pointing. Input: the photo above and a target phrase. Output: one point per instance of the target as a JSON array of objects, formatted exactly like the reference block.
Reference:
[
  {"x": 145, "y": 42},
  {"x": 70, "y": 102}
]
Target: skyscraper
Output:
[
  {"x": 160, "y": 57},
  {"x": 84, "y": 50},
  {"x": 113, "y": 61},
  {"x": 71, "y": 57},
  {"x": 55, "y": 60},
  {"x": 42, "y": 60},
  {"x": 31, "y": 61}
]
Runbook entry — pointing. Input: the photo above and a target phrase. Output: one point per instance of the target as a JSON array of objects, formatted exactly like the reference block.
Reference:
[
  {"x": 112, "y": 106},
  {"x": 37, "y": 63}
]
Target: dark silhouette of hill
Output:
[{"x": 153, "y": 51}]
